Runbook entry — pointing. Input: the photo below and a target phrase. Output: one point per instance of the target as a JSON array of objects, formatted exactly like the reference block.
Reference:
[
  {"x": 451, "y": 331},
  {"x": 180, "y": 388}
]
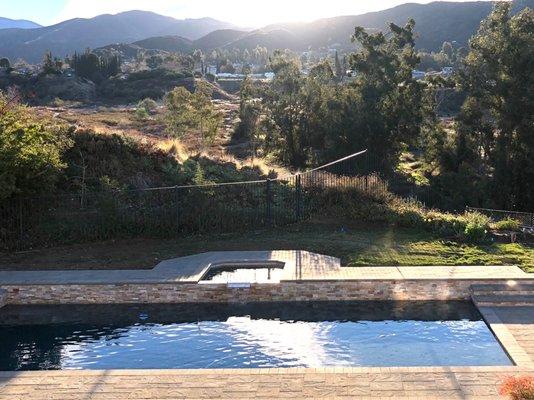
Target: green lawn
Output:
[{"x": 356, "y": 246}]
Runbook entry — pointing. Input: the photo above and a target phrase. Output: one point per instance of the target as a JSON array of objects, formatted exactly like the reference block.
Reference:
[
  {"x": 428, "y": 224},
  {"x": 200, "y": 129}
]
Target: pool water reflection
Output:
[{"x": 246, "y": 336}]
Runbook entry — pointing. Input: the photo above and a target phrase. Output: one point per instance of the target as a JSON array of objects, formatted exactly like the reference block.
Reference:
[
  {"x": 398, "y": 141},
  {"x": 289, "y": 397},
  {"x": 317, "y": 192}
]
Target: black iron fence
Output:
[
  {"x": 179, "y": 210},
  {"x": 172, "y": 211},
  {"x": 526, "y": 219}
]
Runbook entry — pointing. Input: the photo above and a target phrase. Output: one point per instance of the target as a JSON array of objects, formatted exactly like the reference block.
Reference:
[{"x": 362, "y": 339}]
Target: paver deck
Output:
[
  {"x": 298, "y": 266},
  {"x": 479, "y": 383}
]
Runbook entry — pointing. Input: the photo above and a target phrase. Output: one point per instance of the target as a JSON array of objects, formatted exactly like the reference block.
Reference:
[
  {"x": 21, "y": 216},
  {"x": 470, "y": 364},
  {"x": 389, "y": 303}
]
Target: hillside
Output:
[
  {"x": 78, "y": 34},
  {"x": 435, "y": 23},
  {"x": 176, "y": 44},
  {"x": 219, "y": 38},
  {"x": 6, "y": 23}
]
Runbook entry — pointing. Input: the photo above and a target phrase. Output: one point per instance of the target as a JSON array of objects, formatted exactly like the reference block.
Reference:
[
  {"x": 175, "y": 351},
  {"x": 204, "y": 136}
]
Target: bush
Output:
[
  {"x": 476, "y": 226},
  {"x": 507, "y": 224},
  {"x": 149, "y": 105},
  {"x": 521, "y": 388},
  {"x": 471, "y": 227},
  {"x": 31, "y": 150},
  {"x": 141, "y": 114}
]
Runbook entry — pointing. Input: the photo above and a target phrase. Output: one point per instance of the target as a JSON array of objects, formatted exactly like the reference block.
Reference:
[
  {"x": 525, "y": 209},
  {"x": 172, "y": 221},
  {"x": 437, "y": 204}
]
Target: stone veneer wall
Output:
[{"x": 220, "y": 293}]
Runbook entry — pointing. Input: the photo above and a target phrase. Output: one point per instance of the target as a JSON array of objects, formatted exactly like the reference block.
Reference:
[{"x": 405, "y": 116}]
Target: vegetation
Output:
[
  {"x": 518, "y": 388},
  {"x": 90, "y": 66},
  {"x": 312, "y": 119},
  {"x": 356, "y": 245},
  {"x": 483, "y": 157},
  {"x": 31, "y": 151},
  {"x": 145, "y": 108},
  {"x": 187, "y": 110},
  {"x": 137, "y": 86},
  {"x": 490, "y": 154},
  {"x": 507, "y": 224}
]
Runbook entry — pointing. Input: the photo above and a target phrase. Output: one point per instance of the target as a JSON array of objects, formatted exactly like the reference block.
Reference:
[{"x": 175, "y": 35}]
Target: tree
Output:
[
  {"x": 198, "y": 58},
  {"x": 96, "y": 68},
  {"x": 30, "y": 151},
  {"x": 497, "y": 117},
  {"x": 284, "y": 111},
  {"x": 392, "y": 108},
  {"x": 338, "y": 67},
  {"x": 154, "y": 62},
  {"x": 207, "y": 119},
  {"x": 187, "y": 110},
  {"x": 249, "y": 113},
  {"x": 51, "y": 65},
  {"x": 448, "y": 51},
  {"x": 4, "y": 63},
  {"x": 179, "y": 114}
]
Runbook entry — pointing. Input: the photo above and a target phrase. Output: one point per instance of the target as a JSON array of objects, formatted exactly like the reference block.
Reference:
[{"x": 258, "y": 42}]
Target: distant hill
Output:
[
  {"x": 218, "y": 39},
  {"x": 176, "y": 44},
  {"x": 6, "y": 23},
  {"x": 435, "y": 23},
  {"x": 78, "y": 34}
]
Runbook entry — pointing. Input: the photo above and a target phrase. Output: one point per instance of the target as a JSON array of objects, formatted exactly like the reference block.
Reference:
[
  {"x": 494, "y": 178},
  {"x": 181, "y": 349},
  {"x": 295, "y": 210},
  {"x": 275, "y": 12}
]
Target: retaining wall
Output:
[{"x": 453, "y": 289}]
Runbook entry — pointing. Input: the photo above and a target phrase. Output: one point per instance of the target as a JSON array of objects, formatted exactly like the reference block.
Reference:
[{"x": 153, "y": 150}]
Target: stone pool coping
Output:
[{"x": 297, "y": 383}]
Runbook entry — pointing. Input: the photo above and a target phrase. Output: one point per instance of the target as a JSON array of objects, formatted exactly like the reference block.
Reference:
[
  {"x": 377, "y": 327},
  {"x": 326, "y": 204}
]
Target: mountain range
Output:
[
  {"x": 79, "y": 33},
  {"x": 6, "y": 23},
  {"x": 435, "y": 23}
]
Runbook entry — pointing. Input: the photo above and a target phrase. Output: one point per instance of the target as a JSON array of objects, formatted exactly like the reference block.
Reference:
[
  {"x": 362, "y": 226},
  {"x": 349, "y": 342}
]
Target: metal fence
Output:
[
  {"x": 179, "y": 210},
  {"x": 526, "y": 219},
  {"x": 210, "y": 208}
]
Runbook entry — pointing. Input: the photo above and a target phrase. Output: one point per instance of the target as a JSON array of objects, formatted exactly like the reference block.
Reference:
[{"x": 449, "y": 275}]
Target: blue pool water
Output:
[{"x": 246, "y": 336}]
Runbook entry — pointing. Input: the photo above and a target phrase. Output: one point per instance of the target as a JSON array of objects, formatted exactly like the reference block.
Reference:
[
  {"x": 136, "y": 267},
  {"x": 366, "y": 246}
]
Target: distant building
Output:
[
  {"x": 447, "y": 71},
  {"x": 416, "y": 74},
  {"x": 211, "y": 69}
]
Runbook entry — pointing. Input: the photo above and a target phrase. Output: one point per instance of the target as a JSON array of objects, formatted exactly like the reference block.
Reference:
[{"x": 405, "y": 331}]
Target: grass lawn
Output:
[{"x": 355, "y": 245}]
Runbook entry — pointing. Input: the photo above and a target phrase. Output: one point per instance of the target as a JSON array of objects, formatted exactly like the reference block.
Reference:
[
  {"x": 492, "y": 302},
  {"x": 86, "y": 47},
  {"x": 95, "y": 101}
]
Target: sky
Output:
[{"x": 244, "y": 13}]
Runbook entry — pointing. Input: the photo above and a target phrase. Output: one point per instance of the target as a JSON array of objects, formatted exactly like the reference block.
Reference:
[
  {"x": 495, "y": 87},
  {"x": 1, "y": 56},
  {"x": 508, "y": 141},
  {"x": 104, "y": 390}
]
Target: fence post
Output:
[
  {"x": 21, "y": 226},
  {"x": 298, "y": 200},
  {"x": 268, "y": 201}
]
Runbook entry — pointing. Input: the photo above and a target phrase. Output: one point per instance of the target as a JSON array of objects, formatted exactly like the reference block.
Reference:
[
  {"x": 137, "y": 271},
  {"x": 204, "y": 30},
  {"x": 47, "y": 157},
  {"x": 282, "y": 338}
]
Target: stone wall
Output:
[
  {"x": 221, "y": 293},
  {"x": 3, "y": 298}
]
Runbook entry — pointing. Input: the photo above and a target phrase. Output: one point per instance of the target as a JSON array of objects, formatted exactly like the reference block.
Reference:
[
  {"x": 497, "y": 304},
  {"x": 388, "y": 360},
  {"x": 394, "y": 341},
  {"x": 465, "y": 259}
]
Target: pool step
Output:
[
  {"x": 519, "y": 288},
  {"x": 503, "y": 295}
]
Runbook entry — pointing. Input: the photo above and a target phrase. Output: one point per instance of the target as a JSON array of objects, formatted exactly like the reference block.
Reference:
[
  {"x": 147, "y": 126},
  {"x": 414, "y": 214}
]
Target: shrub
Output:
[
  {"x": 149, "y": 105},
  {"x": 408, "y": 213},
  {"x": 507, "y": 224},
  {"x": 141, "y": 114},
  {"x": 520, "y": 388},
  {"x": 476, "y": 226},
  {"x": 31, "y": 150}
]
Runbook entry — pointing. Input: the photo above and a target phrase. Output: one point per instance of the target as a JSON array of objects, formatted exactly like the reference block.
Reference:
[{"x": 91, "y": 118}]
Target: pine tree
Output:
[{"x": 339, "y": 69}]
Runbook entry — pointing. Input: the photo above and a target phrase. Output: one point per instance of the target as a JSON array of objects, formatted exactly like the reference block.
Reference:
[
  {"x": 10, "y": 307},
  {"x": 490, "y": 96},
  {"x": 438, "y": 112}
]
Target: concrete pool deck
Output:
[
  {"x": 306, "y": 276},
  {"x": 298, "y": 266}
]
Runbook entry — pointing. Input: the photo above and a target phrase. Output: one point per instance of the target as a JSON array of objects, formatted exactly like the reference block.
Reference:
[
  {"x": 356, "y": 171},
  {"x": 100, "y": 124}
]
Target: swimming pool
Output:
[{"x": 265, "y": 335}]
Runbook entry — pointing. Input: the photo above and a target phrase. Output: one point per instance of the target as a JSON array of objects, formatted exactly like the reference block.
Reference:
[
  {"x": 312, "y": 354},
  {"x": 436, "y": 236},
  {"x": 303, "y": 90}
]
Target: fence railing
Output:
[
  {"x": 526, "y": 219},
  {"x": 174, "y": 211},
  {"x": 207, "y": 208}
]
